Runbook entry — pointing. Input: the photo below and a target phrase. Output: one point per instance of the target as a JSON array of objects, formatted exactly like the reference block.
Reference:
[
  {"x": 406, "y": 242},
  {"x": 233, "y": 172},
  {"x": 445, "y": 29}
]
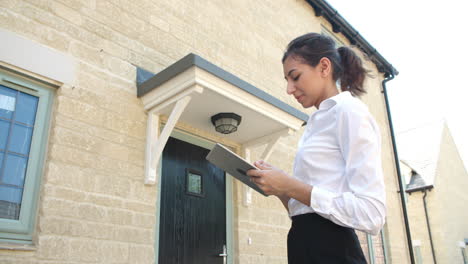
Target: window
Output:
[
  {"x": 25, "y": 107},
  {"x": 194, "y": 183},
  {"x": 464, "y": 250},
  {"x": 417, "y": 251}
]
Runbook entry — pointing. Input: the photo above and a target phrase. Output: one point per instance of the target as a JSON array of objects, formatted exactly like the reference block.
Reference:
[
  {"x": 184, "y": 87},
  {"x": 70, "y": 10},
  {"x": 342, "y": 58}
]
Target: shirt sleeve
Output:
[{"x": 363, "y": 206}]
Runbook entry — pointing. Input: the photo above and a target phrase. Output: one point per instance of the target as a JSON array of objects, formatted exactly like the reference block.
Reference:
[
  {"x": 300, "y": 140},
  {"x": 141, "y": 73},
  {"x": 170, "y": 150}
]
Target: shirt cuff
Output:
[{"x": 321, "y": 200}]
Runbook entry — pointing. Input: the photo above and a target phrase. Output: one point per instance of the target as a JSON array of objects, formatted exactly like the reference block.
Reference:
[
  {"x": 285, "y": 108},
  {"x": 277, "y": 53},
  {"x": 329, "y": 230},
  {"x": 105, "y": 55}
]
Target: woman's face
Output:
[{"x": 306, "y": 83}]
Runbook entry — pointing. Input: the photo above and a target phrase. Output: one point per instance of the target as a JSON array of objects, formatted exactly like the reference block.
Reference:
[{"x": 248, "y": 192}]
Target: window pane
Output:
[
  {"x": 4, "y": 130},
  {"x": 15, "y": 169},
  {"x": 10, "y": 202},
  {"x": 26, "y": 109},
  {"x": 20, "y": 139},
  {"x": 7, "y": 102},
  {"x": 194, "y": 183}
]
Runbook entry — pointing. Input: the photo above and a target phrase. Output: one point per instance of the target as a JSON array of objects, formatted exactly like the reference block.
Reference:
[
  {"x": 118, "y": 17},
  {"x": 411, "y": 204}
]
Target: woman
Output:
[{"x": 337, "y": 184}]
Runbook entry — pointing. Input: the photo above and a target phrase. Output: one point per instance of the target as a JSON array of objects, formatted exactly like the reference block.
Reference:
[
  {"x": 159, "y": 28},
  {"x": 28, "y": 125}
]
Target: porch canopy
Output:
[{"x": 192, "y": 90}]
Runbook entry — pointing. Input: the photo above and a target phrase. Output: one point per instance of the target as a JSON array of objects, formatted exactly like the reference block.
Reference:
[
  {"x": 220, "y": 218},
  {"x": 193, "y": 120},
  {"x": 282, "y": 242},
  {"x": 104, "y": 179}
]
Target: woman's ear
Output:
[{"x": 325, "y": 66}]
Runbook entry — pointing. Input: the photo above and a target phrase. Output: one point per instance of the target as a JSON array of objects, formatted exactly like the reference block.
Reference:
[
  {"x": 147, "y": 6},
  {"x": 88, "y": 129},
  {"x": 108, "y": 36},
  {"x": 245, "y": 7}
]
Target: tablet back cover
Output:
[{"x": 233, "y": 164}]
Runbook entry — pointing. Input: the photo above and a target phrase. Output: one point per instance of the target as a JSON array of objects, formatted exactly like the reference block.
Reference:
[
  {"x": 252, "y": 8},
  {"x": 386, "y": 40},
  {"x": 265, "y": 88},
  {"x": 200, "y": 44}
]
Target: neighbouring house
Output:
[
  {"x": 106, "y": 118},
  {"x": 436, "y": 184}
]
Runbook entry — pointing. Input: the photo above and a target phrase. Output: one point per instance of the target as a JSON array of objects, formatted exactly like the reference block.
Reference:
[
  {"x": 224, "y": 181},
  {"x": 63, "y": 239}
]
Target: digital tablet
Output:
[{"x": 233, "y": 164}]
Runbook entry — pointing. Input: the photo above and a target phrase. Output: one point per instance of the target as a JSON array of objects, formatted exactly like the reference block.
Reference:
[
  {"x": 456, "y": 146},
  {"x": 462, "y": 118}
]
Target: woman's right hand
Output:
[
  {"x": 276, "y": 182},
  {"x": 270, "y": 179},
  {"x": 266, "y": 166}
]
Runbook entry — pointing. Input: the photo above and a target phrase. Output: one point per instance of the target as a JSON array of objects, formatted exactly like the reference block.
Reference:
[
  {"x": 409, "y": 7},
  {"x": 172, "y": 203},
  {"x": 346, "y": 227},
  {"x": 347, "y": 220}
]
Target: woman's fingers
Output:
[
  {"x": 263, "y": 165},
  {"x": 253, "y": 179},
  {"x": 266, "y": 177},
  {"x": 255, "y": 176},
  {"x": 255, "y": 173}
]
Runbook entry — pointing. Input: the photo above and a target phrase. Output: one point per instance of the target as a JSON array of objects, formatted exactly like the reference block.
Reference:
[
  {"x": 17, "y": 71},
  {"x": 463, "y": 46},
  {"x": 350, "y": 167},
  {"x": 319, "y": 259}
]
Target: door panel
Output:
[{"x": 193, "y": 206}]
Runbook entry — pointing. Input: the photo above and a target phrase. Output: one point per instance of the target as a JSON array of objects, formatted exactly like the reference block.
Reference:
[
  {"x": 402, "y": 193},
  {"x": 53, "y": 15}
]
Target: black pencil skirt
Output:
[{"x": 314, "y": 239}]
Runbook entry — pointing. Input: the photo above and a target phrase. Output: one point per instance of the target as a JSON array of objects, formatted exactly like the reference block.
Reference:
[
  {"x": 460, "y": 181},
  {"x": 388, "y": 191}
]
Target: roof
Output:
[
  {"x": 419, "y": 149},
  {"x": 340, "y": 25},
  {"x": 417, "y": 183}
]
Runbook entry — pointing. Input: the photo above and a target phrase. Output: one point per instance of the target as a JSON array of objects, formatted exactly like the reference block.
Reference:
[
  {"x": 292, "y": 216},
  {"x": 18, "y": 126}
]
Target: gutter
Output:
[
  {"x": 340, "y": 25},
  {"x": 422, "y": 188},
  {"x": 397, "y": 164},
  {"x": 429, "y": 226}
]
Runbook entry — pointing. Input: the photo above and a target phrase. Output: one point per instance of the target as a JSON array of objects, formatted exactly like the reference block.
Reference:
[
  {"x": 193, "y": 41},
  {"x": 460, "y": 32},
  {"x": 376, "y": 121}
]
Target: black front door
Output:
[{"x": 193, "y": 207}]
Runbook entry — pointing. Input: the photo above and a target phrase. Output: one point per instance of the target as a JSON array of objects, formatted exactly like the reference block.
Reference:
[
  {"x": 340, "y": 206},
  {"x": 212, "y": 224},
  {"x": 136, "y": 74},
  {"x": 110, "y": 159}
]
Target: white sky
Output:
[{"x": 426, "y": 41}]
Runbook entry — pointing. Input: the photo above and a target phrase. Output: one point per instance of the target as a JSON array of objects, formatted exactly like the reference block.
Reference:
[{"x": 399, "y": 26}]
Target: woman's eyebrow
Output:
[{"x": 289, "y": 73}]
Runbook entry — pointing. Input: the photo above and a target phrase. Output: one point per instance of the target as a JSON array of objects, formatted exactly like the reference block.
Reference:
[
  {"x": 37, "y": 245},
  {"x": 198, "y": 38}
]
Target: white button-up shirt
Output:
[{"x": 339, "y": 154}]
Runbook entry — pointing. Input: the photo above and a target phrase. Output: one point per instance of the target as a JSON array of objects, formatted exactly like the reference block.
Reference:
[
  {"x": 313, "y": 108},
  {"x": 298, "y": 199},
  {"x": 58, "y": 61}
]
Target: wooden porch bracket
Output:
[
  {"x": 155, "y": 144},
  {"x": 269, "y": 140}
]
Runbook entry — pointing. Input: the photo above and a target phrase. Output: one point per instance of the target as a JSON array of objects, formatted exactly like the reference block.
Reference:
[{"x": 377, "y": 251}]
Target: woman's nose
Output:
[{"x": 290, "y": 88}]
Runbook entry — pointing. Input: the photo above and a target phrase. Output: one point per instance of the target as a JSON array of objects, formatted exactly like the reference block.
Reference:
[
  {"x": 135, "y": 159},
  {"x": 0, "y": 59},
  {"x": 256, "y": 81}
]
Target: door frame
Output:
[{"x": 207, "y": 144}]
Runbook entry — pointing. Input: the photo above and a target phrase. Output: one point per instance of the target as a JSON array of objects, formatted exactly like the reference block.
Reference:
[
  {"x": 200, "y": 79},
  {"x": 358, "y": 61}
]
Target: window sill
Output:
[{"x": 17, "y": 247}]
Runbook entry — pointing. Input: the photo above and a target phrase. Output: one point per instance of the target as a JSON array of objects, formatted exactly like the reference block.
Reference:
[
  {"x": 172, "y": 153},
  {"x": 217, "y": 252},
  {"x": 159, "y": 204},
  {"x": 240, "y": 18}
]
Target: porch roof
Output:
[
  {"x": 147, "y": 81},
  {"x": 192, "y": 90}
]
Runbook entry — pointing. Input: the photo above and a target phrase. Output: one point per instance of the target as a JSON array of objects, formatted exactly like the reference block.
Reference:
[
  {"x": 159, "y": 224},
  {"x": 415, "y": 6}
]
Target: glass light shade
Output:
[{"x": 226, "y": 123}]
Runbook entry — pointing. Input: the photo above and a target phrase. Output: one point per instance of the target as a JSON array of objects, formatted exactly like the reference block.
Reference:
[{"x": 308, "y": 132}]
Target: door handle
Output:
[{"x": 224, "y": 254}]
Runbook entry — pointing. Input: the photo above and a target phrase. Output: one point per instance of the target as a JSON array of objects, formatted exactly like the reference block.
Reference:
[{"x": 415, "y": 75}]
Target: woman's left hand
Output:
[{"x": 271, "y": 180}]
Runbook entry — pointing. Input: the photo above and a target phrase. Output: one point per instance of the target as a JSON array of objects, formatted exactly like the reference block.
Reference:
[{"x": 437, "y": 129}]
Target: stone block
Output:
[
  {"x": 68, "y": 175},
  {"x": 141, "y": 254},
  {"x": 85, "y": 250},
  {"x": 119, "y": 187},
  {"x": 143, "y": 193},
  {"x": 79, "y": 5},
  {"x": 13, "y": 260},
  {"x": 61, "y": 226},
  {"x": 101, "y": 231},
  {"x": 138, "y": 206},
  {"x": 120, "y": 68},
  {"x": 66, "y": 13},
  {"x": 80, "y": 111},
  {"x": 91, "y": 212},
  {"x": 87, "y": 53},
  {"x": 104, "y": 200},
  {"x": 109, "y": 9},
  {"x": 134, "y": 235},
  {"x": 70, "y": 156},
  {"x": 59, "y": 207},
  {"x": 68, "y": 194},
  {"x": 54, "y": 248},
  {"x": 160, "y": 23},
  {"x": 119, "y": 216},
  {"x": 56, "y": 40},
  {"x": 144, "y": 220},
  {"x": 115, "y": 252},
  {"x": 75, "y": 140}
]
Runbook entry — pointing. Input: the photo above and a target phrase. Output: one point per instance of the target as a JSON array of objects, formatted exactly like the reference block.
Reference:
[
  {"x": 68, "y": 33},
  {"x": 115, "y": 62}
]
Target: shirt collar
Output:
[{"x": 334, "y": 100}]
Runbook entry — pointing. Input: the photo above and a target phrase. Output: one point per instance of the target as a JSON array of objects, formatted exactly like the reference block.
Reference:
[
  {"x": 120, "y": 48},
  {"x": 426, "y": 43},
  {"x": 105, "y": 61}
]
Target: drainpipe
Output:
[
  {"x": 390, "y": 77},
  {"x": 428, "y": 226}
]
